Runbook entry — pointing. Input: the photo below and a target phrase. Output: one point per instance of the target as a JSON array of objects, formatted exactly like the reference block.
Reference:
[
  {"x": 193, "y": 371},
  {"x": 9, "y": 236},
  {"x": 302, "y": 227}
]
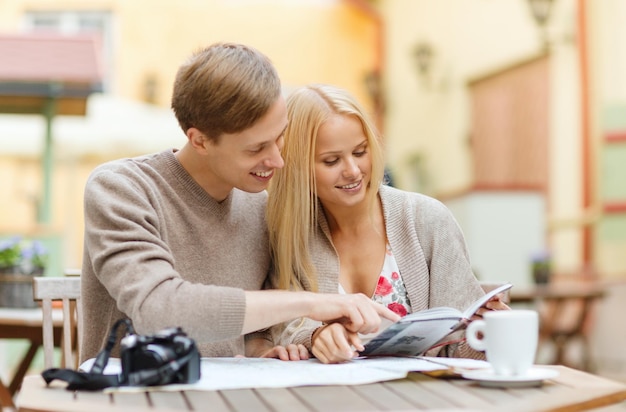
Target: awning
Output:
[{"x": 48, "y": 74}]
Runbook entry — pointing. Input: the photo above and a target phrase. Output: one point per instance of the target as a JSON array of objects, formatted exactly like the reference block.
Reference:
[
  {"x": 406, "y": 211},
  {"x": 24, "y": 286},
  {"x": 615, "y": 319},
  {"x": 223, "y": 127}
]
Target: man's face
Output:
[{"x": 247, "y": 160}]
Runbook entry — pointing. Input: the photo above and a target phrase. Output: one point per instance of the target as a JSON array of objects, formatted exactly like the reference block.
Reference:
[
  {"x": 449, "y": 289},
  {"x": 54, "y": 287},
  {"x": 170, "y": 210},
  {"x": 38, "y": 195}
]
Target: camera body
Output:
[{"x": 169, "y": 356}]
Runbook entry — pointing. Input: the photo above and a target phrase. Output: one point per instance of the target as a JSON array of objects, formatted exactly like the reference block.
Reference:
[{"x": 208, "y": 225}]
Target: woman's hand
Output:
[
  {"x": 260, "y": 347},
  {"x": 495, "y": 303},
  {"x": 333, "y": 343},
  {"x": 290, "y": 353}
]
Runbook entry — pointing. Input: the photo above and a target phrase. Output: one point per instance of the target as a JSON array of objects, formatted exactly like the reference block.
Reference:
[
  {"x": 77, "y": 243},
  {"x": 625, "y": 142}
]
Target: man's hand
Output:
[
  {"x": 332, "y": 343},
  {"x": 356, "y": 312}
]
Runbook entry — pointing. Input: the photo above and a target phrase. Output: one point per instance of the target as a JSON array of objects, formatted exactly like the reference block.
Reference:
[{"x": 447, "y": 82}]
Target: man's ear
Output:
[{"x": 197, "y": 140}]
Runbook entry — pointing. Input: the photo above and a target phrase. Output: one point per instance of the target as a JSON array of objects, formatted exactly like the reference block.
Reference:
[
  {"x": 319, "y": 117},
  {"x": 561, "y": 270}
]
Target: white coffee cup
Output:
[{"x": 509, "y": 340}]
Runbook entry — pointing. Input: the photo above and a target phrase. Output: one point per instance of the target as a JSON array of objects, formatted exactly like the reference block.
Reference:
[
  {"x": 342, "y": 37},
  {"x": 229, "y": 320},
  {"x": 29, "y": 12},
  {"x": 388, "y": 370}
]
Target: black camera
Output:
[{"x": 169, "y": 356}]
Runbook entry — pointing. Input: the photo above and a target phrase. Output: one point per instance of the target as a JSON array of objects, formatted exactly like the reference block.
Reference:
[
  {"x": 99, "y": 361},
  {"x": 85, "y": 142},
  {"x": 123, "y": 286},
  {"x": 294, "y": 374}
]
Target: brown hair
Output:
[{"x": 224, "y": 88}]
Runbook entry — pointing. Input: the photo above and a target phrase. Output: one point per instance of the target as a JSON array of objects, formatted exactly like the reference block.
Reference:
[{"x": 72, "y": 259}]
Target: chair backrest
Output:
[{"x": 66, "y": 290}]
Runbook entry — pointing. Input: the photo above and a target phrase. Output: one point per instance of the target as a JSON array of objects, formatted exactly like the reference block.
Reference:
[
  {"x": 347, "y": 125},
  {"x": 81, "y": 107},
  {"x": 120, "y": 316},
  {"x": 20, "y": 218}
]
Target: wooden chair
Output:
[
  {"x": 66, "y": 290},
  {"x": 6, "y": 399}
]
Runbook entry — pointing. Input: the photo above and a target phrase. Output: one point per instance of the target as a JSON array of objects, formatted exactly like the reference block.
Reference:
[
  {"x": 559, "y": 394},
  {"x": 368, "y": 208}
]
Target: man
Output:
[{"x": 178, "y": 238}]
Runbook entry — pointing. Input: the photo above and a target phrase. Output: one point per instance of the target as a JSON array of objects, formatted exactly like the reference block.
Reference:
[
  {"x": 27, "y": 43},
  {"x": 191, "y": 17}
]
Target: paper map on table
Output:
[{"x": 240, "y": 373}]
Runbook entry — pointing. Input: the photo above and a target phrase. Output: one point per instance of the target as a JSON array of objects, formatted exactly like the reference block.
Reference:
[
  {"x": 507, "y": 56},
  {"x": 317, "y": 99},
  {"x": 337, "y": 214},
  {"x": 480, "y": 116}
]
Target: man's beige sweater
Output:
[{"x": 159, "y": 250}]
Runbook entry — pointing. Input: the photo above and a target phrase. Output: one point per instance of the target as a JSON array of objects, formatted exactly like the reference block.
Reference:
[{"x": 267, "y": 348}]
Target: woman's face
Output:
[{"x": 343, "y": 163}]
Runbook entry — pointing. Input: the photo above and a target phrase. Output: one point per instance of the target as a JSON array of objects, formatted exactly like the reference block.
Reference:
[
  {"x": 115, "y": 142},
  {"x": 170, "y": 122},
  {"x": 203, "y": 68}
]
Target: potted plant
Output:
[
  {"x": 19, "y": 262},
  {"x": 34, "y": 258},
  {"x": 541, "y": 267},
  {"x": 10, "y": 255}
]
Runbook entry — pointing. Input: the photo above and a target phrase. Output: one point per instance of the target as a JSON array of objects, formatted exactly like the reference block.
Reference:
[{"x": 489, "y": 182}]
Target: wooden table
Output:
[
  {"x": 25, "y": 324},
  {"x": 565, "y": 310},
  {"x": 572, "y": 390}
]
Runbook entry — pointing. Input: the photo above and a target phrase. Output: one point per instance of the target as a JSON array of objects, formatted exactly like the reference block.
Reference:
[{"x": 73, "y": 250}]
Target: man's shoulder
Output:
[
  {"x": 128, "y": 163},
  {"x": 129, "y": 167}
]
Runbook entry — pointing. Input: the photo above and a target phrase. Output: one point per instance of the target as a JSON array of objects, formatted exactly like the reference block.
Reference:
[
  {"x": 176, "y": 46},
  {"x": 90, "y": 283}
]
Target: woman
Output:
[{"x": 335, "y": 227}]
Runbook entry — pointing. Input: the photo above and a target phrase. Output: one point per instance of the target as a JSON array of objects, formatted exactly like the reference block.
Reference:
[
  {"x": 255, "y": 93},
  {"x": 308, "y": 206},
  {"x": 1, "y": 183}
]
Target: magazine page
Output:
[
  {"x": 431, "y": 314},
  {"x": 417, "y": 332},
  {"x": 409, "y": 339},
  {"x": 426, "y": 314}
]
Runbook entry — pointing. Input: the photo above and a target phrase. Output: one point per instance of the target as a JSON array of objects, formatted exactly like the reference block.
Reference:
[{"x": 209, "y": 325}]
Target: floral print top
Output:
[{"x": 390, "y": 290}]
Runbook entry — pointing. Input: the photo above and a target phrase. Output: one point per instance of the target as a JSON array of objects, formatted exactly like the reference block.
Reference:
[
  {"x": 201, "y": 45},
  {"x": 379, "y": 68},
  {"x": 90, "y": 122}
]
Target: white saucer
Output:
[{"x": 534, "y": 377}]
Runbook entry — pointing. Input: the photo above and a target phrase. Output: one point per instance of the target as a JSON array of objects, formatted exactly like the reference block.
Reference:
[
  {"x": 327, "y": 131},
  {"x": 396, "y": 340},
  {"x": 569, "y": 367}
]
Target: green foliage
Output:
[
  {"x": 23, "y": 256},
  {"x": 10, "y": 253},
  {"x": 36, "y": 255}
]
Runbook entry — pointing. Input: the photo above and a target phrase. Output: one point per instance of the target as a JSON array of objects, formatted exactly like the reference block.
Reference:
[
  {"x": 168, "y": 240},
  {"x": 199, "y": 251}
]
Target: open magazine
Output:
[{"x": 417, "y": 332}]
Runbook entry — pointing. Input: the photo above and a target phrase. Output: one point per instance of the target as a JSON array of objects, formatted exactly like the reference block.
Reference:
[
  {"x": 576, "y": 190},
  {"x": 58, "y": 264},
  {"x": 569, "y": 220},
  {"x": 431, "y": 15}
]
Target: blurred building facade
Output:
[
  {"x": 436, "y": 76},
  {"x": 507, "y": 107},
  {"x": 142, "y": 44}
]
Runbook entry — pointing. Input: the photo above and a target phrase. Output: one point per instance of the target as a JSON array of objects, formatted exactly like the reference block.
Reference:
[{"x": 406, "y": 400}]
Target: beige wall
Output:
[
  {"x": 471, "y": 38},
  {"x": 308, "y": 41},
  {"x": 316, "y": 41}
]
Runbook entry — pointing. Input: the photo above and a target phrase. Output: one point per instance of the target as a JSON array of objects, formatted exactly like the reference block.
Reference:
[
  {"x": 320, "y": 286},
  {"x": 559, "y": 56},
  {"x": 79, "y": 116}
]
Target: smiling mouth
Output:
[
  {"x": 350, "y": 186},
  {"x": 263, "y": 174}
]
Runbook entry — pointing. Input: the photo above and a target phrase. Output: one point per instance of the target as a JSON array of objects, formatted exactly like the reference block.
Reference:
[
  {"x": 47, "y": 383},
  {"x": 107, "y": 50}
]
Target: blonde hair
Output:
[
  {"x": 292, "y": 211},
  {"x": 224, "y": 88}
]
